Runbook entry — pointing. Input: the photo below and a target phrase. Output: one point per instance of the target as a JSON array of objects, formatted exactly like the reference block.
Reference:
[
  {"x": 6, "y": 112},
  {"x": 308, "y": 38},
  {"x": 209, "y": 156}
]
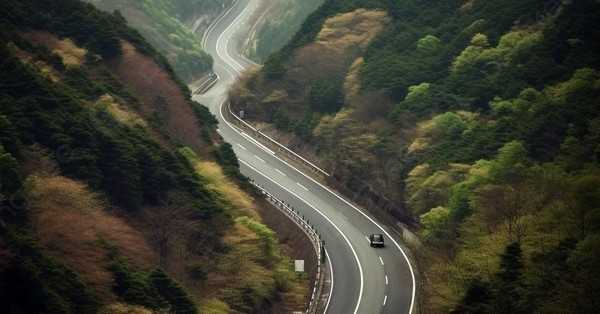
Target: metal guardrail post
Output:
[
  {"x": 315, "y": 238},
  {"x": 279, "y": 145}
]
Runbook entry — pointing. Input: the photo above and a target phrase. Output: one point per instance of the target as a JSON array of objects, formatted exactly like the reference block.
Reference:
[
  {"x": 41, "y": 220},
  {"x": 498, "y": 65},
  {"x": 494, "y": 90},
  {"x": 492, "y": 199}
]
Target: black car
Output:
[{"x": 376, "y": 240}]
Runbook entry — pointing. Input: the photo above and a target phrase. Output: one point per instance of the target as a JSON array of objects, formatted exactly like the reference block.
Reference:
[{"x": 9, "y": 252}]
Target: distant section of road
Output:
[{"x": 365, "y": 279}]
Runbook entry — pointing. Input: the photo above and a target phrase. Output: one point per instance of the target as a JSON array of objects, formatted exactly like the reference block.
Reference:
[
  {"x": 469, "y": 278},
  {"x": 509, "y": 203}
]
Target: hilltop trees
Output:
[
  {"x": 103, "y": 207},
  {"x": 484, "y": 117}
]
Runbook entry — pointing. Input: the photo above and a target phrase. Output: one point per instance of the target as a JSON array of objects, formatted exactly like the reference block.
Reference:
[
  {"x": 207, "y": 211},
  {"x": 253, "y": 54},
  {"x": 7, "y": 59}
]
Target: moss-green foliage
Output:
[
  {"x": 85, "y": 124},
  {"x": 95, "y": 30},
  {"x": 502, "y": 295},
  {"x": 89, "y": 144},
  {"x": 275, "y": 67},
  {"x": 493, "y": 141},
  {"x": 208, "y": 120},
  {"x": 204, "y": 115},
  {"x": 35, "y": 282},
  {"x": 283, "y": 20},
  {"x": 228, "y": 161},
  {"x": 132, "y": 287},
  {"x": 267, "y": 236},
  {"x": 399, "y": 57},
  {"x": 169, "y": 19},
  {"x": 99, "y": 32}
]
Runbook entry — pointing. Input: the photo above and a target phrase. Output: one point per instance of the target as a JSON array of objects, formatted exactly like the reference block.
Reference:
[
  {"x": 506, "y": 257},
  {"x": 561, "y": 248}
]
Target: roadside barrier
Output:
[
  {"x": 288, "y": 152},
  {"x": 315, "y": 238}
]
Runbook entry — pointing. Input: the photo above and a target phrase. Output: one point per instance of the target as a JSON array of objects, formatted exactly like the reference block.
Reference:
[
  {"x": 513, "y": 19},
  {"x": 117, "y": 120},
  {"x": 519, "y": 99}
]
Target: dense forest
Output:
[
  {"x": 169, "y": 26},
  {"x": 116, "y": 193},
  {"x": 282, "y": 18},
  {"x": 478, "y": 119}
]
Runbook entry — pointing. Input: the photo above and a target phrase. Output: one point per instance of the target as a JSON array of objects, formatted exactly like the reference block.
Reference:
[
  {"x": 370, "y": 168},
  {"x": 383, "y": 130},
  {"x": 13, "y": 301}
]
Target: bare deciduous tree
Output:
[{"x": 168, "y": 225}]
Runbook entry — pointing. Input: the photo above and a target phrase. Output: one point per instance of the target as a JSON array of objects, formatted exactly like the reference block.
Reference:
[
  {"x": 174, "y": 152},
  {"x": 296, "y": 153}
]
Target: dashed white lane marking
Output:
[
  {"x": 244, "y": 148},
  {"x": 302, "y": 186},
  {"x": 259, "y": 159},
  {"x": 280, "y": 172}
]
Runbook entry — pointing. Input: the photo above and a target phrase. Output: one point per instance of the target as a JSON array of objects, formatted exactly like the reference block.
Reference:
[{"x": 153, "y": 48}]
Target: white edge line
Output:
[
  {"x": 219, "y": 39},
  {"x": 331, "y": 285},
  {"x": 258, "y": 144},
  {"x": 332, "y": 223},
  {"x": 302, "y": 186},
  {"x": 343, "y": 200},
  {"x": 211, "y": 27},
  {"x": 412, "y": 273}
]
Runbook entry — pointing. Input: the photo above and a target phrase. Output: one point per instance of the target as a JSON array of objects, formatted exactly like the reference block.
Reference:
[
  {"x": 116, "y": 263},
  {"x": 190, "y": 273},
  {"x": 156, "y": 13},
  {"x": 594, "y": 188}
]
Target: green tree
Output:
[
  {"x": 507, "y": 285},
  {"x": 325, "y": 96},
  {"x": 436, "y": 222},
  {"x": 40, "y": 283},
  {"x": 476, "y": 300},
  {"x": 577, "y": 289},
  {"x": 428, "y": 44},
  {"x": 171, "y": 291},
  {"x": 511, "y": 159},
  {"x": 121, "y": 175},
  {"x": 331, "y": 129},
  {"x": 132, "y": 287}
]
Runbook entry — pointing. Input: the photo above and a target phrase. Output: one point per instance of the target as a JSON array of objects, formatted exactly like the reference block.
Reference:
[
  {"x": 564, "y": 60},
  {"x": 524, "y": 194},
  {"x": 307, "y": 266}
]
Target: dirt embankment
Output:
[{"x": 291, "y": 236}]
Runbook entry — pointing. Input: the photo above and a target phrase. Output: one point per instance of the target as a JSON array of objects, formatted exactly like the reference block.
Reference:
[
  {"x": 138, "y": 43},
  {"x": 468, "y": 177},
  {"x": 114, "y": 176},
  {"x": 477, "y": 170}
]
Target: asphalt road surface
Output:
[{"x": 364, "y": 279}]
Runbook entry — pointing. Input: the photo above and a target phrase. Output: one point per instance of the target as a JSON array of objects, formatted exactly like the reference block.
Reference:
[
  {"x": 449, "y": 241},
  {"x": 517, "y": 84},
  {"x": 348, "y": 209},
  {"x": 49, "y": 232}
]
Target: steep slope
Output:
[
  {"x": 478, "y": 120},
  {"x": 280, "y": 20},
  {"x": 116, "y": 192},
  {"x": 166, "y": 25}
]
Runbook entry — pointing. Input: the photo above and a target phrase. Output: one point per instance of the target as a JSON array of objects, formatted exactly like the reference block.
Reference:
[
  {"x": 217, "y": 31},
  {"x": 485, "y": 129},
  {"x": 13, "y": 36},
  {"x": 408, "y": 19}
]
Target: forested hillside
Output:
[
  {"x": 478, "y": 119},
  {"x": 117, "y": 194},
  {"x": 168, "y": 26},
  {"x": 281, "y": 19}
]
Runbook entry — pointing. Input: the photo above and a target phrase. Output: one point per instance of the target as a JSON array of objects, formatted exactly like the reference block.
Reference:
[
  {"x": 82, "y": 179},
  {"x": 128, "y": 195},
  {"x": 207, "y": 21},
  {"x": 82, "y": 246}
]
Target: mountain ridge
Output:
[
  {"x": 117, "y": 194},
  {"x": 476, "y": 119}
]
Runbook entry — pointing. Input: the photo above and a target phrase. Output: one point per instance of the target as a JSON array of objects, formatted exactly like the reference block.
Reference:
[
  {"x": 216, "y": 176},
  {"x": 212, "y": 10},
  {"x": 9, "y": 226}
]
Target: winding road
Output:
[{"x": 364, "y": 279}]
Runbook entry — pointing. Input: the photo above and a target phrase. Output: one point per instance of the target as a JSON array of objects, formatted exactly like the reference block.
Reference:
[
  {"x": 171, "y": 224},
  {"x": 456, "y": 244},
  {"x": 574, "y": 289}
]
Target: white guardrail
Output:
[
  {"x": 280, "y": 147},
  {"x": 315, "y": 238},
  {"x": 295, "y": 216}
]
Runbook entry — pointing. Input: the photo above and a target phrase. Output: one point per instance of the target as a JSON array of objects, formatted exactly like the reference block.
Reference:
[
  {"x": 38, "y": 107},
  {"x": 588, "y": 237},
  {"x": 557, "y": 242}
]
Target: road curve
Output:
[{"x": 365, "y": 280}]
